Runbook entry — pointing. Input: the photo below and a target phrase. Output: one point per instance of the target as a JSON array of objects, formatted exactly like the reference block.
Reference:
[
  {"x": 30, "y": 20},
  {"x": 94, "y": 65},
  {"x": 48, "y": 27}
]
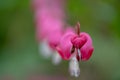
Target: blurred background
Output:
[{"x": 19, "y": 56}]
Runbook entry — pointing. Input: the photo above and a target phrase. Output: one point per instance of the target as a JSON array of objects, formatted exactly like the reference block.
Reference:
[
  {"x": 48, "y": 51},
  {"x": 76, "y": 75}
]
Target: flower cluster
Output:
[{"x": 59, "y": 41}]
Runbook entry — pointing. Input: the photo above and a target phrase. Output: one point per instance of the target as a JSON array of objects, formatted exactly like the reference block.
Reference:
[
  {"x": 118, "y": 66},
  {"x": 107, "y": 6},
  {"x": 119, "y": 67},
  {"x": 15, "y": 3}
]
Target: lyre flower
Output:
[{"x": 75, "y": 47}]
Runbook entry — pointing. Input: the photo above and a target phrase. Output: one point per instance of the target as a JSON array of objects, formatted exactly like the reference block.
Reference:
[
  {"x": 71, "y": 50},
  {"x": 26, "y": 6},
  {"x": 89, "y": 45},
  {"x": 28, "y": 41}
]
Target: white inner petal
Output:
[
  {"x": 74, "y": 67},
  {"x": 56, "y": 58},
  {"x": 45, "y": 50},
  {"x": 79, "y": 53}
]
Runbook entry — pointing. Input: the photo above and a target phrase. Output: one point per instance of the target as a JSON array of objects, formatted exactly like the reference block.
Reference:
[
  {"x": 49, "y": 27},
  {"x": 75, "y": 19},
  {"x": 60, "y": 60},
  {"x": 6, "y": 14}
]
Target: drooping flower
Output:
[
  {"x": 74, "y": 47},
  {"x": 71, "y": 41}
]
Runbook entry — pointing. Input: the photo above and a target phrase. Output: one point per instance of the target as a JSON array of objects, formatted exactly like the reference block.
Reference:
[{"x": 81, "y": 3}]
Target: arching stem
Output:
[{"x": 77, "y": 28}]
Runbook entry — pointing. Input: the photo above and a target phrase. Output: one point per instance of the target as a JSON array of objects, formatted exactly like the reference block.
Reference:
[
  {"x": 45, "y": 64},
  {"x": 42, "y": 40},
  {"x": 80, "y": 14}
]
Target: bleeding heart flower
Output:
[
  {"x": 71, "y": 41},
  {"x": 75, "y": 47}
]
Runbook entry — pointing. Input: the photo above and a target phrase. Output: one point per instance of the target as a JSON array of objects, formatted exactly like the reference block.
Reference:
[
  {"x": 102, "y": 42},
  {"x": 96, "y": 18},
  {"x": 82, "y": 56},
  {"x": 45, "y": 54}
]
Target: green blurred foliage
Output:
[{"x": 19, "y": 55}]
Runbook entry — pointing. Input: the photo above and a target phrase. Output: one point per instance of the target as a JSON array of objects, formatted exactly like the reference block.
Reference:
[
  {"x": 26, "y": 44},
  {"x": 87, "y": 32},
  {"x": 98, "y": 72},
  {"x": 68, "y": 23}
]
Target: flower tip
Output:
[{"x": 74, "y": 67}]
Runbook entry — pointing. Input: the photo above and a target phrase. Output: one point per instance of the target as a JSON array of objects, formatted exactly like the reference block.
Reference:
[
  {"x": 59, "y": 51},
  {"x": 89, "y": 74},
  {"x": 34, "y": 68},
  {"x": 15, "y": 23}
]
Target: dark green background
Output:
[{"x": 19, "y": 57}]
